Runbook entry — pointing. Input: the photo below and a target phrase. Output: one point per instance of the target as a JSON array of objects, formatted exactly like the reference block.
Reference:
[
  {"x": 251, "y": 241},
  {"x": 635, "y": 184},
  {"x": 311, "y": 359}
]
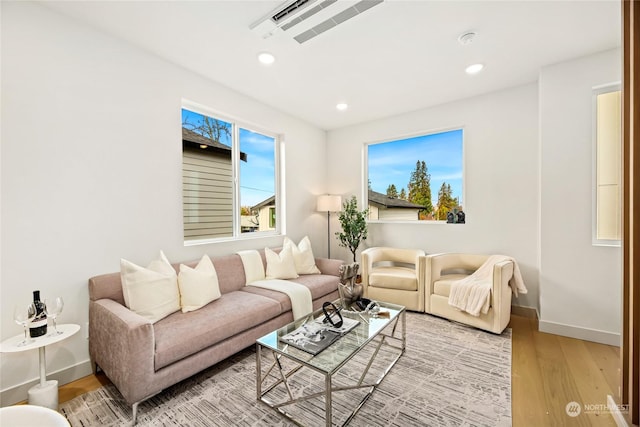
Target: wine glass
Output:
[
  {"x": 52, "y": 308},
  {"x": 23, "y": 315}
]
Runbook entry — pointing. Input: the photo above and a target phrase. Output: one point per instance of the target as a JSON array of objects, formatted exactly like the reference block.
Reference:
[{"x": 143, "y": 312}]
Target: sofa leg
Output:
[{"x": 134, "y": 409}]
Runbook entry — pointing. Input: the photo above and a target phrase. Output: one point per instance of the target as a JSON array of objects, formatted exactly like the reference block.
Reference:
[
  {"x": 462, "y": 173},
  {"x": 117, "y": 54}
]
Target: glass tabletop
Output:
[{"x": 337, "y": 354}]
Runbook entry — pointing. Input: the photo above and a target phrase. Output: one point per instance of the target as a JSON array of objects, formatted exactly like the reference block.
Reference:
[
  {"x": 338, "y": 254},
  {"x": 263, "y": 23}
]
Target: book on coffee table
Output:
[{"x": 315, "y": 336}]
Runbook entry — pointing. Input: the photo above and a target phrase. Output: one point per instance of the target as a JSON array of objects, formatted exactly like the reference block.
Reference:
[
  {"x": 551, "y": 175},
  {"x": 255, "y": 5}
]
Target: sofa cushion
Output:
[
  {"x": 182, "y": 334},
  {"x": 198, "y": 286},
  {"x": 442, "y": 287},
  {"x": 151, "y": 292},
  {"x": 401, "y": 278}
]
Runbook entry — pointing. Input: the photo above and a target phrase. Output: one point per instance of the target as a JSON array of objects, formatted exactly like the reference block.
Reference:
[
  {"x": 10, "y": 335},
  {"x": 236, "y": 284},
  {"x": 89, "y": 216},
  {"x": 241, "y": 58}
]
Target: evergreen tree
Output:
[
  {"x": 403, "y": 194},
  {"x": 446, "y": 202},
  {"x": 420, "y": 188},
  {"x": 392, "y": 191}
]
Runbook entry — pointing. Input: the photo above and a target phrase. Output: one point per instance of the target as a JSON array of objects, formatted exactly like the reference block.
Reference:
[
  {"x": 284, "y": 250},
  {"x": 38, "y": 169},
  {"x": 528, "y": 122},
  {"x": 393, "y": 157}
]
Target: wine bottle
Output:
[{"x": 38, "y": 327}]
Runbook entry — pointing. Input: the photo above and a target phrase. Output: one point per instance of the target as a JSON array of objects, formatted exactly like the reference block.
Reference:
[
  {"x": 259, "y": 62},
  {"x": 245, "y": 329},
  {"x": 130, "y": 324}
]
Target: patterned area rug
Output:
[{"x": 450, "y": 375}]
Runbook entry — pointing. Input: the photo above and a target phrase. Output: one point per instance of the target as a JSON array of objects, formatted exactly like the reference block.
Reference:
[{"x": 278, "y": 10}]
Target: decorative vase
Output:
[
  {"x": 349, "y": 294},
  {"x": 347, "y": 288}
]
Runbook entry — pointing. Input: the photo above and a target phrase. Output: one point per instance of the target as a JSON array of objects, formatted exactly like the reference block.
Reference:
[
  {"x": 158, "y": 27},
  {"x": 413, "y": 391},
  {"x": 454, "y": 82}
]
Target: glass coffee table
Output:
[{"x": 376, "y": 340}]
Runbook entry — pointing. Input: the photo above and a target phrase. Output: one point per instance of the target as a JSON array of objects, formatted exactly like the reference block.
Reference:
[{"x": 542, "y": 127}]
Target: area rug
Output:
[{"x": 449, "y": 375}]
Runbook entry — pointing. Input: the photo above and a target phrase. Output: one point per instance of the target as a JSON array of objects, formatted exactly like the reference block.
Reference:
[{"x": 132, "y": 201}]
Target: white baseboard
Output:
[
  {"x": 523, "y": 311},
  {"x": 18, "y": 393},
  {"x": 615, "y": 412},
  {"x": 595, "y": 335}
]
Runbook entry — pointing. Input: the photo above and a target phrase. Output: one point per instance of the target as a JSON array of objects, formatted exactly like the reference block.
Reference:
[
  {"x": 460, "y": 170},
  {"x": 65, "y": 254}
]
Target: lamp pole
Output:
[
  {"x": 328, "y": 234},
  {"x": 329, "y": 203}
]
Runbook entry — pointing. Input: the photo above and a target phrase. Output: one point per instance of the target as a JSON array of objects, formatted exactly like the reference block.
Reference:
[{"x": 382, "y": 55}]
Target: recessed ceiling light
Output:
[
  {"x": 474, "y": 69},
  {"x": 266, "y": 58},
  {"x": 342, "y": 106}
]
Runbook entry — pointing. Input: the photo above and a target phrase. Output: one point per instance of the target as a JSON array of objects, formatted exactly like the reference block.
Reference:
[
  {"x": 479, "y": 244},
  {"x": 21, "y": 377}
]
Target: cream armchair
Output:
[
  {"x": 394, "y": 275},
  {"x": 442, "y": 269}
]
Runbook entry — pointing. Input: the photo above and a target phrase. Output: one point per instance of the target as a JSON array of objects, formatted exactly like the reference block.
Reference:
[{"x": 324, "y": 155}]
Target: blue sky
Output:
[
  {"x": 392, "y": 162},
  {"x": 257, "y": 174}
]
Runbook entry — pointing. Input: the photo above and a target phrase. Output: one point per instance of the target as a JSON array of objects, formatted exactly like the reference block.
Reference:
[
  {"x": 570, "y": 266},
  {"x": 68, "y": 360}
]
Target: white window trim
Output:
[
  {"x": 365, "y": 173},
  {"x": 598, "y": 90},
  {"x": 238, "y": 123}
]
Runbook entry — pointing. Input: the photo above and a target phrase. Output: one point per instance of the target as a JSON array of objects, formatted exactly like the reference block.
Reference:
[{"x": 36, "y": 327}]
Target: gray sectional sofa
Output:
[{"x": 142, "y": 358}]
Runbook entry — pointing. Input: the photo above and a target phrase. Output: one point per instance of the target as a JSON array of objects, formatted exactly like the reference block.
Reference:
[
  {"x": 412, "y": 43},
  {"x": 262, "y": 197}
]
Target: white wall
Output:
[
  {"x": 500, "y": 178},
  {"x": 91, "y": 170},
  {"x": 580, "y": 283}
]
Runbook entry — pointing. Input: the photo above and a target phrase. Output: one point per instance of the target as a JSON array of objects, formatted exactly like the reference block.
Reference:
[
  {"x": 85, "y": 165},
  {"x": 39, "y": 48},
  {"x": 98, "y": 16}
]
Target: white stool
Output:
[{"x": 30, "y": 415}]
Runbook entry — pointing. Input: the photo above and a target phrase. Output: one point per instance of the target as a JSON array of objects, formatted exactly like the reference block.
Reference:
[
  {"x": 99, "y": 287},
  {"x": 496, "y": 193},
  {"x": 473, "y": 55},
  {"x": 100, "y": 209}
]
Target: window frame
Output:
[
  {"x": 278, "y": 141},
  {"x": 365, "y": 172},
  {"x": 595, "y": 92}
]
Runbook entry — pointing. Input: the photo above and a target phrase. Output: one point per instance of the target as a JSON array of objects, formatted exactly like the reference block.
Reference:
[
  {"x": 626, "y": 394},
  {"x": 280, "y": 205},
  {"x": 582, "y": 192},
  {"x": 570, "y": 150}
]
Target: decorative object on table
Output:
[
  {"x": 349, "y": 290},
  {"x": 456, "y": 216},
  {"x": 53, "y": 308},
  {"x": 328, "y": 203},
  {"x": 332, "y": 315},
  {"x": 354, "y": 226},
  {"x": 23, "y": 315},
  {"x": 315, "y": 335},
  {"x": 38, "y": 326}
]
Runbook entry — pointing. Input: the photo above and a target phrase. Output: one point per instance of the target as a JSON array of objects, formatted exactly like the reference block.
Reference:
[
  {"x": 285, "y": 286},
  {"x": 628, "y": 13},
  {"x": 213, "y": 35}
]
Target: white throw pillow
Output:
[
  {"x": 302, "y": 255},
  {"x": 152, "y": 292},
  {"x": 280, "y": 266},
  {"x": 198, "y": 286},
  {"x": 253, "y": 267}
]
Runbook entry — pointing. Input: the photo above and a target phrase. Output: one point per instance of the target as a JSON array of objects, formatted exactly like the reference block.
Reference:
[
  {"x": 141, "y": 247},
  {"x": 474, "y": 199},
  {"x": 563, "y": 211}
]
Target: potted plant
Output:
[{"x": 354, "y": 226}]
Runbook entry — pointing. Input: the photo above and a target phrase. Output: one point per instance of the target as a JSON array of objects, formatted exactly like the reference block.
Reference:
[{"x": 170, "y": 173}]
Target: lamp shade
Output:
[{"x": 329, "y": 203}]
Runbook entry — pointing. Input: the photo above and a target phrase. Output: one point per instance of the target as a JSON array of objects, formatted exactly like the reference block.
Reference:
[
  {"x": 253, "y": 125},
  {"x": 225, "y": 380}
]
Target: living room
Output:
[{"x": 91, "y": 164}]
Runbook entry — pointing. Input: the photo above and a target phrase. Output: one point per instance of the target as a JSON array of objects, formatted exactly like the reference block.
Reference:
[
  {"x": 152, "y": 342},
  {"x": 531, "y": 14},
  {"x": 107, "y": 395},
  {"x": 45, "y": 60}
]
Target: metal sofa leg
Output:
[{"x": 134, "y": 409}]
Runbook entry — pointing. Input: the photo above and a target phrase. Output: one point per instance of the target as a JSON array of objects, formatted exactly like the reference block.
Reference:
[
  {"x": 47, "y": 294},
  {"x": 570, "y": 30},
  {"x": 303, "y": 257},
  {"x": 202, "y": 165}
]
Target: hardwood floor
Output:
[{"x": 548, "y": 372}]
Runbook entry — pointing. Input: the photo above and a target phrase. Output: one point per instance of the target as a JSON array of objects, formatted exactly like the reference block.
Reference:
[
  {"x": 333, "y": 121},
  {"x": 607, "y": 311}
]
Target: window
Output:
[
  {"x": 229, "y": 177},
  {"x": 417, "y": 178},
  {"x": 607, "y": 227}
]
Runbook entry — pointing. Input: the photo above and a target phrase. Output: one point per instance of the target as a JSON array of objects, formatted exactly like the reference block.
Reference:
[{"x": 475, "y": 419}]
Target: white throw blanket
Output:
[
  {"x": 473, "y": 293},
  {"x": 299, "y": 295}
]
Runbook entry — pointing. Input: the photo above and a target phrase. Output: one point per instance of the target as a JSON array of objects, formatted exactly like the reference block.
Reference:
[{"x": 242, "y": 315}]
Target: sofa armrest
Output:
[
  {"x": 329, "y": 266},
  {"x": 122, "y": 344}
]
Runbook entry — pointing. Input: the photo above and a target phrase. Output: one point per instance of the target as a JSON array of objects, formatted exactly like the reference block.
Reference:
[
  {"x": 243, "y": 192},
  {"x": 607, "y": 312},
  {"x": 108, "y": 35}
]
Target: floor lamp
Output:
[{"x": 328, "y": 203}]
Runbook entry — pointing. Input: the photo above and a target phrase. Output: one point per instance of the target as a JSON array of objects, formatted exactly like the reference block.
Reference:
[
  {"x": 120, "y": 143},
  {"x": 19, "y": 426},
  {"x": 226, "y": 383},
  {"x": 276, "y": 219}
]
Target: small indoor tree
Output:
[{"x": 354, "y": 226}]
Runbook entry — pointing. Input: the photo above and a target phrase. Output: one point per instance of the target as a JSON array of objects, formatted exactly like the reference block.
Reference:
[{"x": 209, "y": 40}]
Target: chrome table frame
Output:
[{"x": 380, "y": 339}]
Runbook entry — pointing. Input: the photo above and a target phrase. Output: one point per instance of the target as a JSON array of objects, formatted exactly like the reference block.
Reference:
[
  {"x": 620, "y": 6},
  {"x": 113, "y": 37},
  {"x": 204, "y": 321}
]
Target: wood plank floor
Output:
[{"x": 548, "y": 372}]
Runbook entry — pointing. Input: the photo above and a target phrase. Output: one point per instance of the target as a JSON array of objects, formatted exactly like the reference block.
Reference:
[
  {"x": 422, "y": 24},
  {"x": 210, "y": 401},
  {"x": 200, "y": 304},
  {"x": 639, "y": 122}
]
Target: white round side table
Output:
[{"x": 46, "y": 392}]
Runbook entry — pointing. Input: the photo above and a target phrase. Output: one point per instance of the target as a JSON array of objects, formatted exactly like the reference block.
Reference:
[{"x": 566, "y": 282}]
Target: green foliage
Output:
[
  {"x": 392, "y": 191},
  {"x": 446, "y": 202},
  {"x": 354, "y": 226},
  {"x": 403, "y": 194},
  {"x": 420, "y": 188}
]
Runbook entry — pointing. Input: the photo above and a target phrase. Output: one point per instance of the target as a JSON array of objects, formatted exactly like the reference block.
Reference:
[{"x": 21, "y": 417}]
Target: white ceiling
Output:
[{"x": 396, "y": 57}]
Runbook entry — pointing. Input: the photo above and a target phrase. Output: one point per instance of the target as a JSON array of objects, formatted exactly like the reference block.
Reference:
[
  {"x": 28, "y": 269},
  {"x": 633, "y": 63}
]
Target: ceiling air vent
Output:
[{"x": 303, "y": 22}]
